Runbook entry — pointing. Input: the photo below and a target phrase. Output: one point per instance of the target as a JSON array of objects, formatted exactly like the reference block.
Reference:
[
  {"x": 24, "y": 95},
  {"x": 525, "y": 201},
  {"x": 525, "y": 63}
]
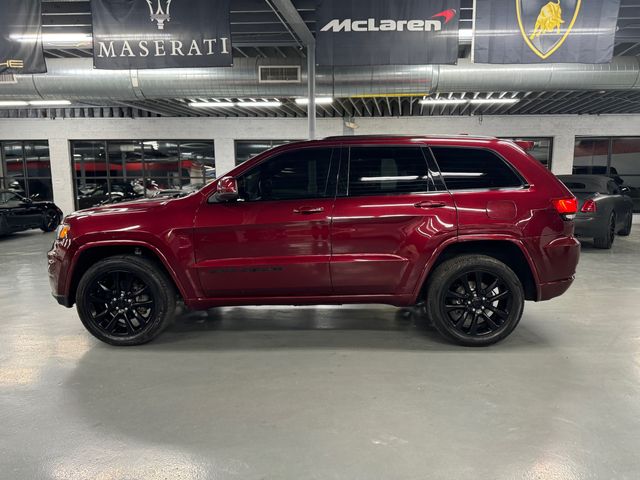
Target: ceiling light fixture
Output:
[
  {"x": 211, "y": 104},
  {"x": 13, "y": 103},
  {"x": 270, "y": 103},
  {"x": 319, "y": 101},
  {"x": 44, "y": 103},
  {"x": 504, "y": 101},
  {"x": 442, "y": 101}
]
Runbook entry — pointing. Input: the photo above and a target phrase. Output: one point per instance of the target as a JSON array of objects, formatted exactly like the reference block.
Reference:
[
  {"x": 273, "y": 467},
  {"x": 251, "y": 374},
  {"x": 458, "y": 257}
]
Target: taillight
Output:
[
  {"x": 589, "y": 207},
  {"x": 566, "y": 207}
]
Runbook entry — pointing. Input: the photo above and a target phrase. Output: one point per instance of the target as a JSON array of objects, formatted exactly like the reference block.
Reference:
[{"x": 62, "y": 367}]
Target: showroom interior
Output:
[{"x": 336, "y": 391}]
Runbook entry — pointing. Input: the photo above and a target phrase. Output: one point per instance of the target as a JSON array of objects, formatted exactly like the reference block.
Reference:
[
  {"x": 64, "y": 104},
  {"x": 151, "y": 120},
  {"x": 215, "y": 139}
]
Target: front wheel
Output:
[
  {"x": 474, "y": 300},
  {"x": 125, "y": 300},
  {"x": 50, "y": 220}
]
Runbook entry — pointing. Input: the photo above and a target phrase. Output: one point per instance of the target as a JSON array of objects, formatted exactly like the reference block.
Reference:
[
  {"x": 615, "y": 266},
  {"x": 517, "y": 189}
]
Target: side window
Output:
[
  {"x": 474, "y": 168},
  {"x": 387, "y": 171},
  {"x": 296, "y": 174}
]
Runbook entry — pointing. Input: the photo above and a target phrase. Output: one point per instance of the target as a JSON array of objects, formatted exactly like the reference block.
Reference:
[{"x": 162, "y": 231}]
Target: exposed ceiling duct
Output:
[{"x": 77, "y": 80}]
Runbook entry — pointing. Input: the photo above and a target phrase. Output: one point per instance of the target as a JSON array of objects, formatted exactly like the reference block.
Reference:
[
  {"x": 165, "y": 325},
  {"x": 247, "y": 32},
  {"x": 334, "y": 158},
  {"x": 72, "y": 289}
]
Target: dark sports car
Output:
[
  {"x": 18, "y": 213},
  {"x": 604, "y": 209}
]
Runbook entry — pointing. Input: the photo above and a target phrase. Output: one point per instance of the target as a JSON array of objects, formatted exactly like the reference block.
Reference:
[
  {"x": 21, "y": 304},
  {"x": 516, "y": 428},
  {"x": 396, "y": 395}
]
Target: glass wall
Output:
[
  {"x": 542, "y": 148},
  {"x": 25, "y": 168},
  {"x": 617, "y": 157},
  {"x": 114, "y": 171},
  {"x": 247, "y": 149}
]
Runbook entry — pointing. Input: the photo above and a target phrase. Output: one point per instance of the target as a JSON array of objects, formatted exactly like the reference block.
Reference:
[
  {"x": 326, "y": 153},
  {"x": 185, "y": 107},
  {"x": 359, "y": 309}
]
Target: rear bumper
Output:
[
  {"x": 556, "y": 261},
  {"x": 549, "y": 290},
  {"x": 590, "y": 225}
]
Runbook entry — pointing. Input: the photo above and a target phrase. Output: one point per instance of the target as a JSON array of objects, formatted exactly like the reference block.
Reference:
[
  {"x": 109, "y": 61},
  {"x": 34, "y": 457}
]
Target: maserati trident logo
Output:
[{"x": 159, "y": 13}]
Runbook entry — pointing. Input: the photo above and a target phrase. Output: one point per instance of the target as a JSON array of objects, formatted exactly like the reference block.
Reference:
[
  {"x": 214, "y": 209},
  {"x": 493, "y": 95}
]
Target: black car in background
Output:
[
  {"x": 604, "y": 208},
  {"x": 612, "y": 172},
  {"x": 18, "y": 213}
]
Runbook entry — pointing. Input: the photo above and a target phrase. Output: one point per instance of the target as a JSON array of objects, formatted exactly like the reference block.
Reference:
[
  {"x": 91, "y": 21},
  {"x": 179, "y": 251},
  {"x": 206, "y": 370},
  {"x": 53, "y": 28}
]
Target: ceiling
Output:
[{"x": 258, "y": 31}]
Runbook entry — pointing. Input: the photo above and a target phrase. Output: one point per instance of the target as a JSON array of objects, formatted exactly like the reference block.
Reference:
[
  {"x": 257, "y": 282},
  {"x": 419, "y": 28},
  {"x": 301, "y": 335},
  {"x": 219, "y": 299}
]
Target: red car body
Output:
[{"x": 367, "y": 249}]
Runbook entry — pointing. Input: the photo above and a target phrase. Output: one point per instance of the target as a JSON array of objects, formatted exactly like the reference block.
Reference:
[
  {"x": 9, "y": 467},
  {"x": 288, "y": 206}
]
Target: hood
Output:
[{"x": 123, "y": 208}]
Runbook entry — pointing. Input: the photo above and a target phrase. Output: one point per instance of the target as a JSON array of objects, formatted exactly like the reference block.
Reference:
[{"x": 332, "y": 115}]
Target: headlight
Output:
[{"x": 62, "y": 232}]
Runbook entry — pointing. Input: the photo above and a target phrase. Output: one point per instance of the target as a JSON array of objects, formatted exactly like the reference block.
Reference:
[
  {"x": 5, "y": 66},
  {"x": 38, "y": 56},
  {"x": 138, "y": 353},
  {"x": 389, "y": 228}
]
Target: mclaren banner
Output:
[
  {"x": 21, "y": 37},
  {"x": 383, "y": 32},
  {"x": 538, "y": 31},
  {"x": 161, "y": 33}
]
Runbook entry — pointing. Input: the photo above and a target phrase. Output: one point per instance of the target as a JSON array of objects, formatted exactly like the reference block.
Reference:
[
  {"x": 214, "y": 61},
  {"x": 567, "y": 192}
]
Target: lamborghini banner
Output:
[
  {"x": 539, "y": 31},
  {"x": 383, "y": 32},
  {"x": 161, "y": 33},
  {"x": 21, "y": 37}
]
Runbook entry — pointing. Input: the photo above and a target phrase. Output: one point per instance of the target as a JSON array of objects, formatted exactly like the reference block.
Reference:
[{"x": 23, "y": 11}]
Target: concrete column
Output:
[
  {"x": 225, "y": 151},
  {"x": 563, "y": 149},
  {"x": 61, "y": 174}
]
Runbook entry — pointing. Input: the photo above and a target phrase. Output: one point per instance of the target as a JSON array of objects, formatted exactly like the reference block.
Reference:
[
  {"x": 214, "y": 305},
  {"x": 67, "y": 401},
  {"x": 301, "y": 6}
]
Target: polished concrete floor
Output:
[{"x": 323, "y": 393}]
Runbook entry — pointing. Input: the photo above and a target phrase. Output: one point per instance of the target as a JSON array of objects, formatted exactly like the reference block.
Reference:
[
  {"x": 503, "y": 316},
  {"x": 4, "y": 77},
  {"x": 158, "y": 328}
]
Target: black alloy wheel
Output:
[
  {"x": 125, "y": 300},
  {"x": 474, "y": 300},
  {"x": 607, "y": 238},
  {"x": 626, "y": 230},
  {"x": 50, "y": 221}
]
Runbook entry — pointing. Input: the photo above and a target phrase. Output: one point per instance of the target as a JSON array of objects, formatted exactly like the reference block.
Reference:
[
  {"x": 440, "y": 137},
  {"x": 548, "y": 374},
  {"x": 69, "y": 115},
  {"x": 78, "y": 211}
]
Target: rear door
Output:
[{"x": 389, "y": 217}]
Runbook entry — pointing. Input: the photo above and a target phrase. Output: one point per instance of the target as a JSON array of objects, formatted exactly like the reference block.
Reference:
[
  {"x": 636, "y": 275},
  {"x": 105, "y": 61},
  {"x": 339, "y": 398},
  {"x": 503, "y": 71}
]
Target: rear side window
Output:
[
  {"x": 387, "y": 171},
  {"x": 474, "y": 168}
]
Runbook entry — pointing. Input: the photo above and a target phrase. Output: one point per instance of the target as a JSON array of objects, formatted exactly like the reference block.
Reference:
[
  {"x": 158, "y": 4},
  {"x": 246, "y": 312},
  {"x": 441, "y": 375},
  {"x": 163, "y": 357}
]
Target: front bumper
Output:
[{"x": 58, "y": 267}]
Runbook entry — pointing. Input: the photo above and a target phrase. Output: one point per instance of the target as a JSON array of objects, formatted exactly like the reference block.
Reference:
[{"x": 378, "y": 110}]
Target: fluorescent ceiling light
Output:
[
  {"x": 43, "y": 103},
  {"x": 271, "y": 103},
  {"x": 211, "y": 104},
  {"x": 13, "y": 103},
  {"x": 503, "y": 101},
  {"x": 442, "y": 101},
  {"x": 319, "y": 101}
]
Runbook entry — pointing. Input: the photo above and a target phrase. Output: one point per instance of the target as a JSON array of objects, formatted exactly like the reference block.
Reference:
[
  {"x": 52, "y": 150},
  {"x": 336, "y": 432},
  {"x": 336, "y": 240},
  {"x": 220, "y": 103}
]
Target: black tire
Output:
[
  {"x": 50, "y": 220},
  {"x": 454, "y": 283},
  {"x": 144, "y": 308},
  {"x": 626, "y": 229},
  {"x": 605, "y": 241}
]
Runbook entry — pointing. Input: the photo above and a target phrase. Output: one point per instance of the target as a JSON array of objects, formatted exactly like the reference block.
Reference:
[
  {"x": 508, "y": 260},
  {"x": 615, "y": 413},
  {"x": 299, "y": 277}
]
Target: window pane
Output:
[
  {"x": 247, "y": 149},
  {"x": 387, "y": 171},
  {"x": 541, "y": 149},
  {"x": 13, "y": 165},
  {"x": 91, "y": 193},
  {"x": 89, "y": 160},
  {"x": 125, "y": 160},
  {"x": 40, "y": 188},
  {"x": 299, "y": 174},
  {"x": 197, "y": 163},
  {"x": 37, "y": 158},
  {"x": 162, "y": 165},
  {"x": 590, "y": 156},
  {"x": 625, "y": 156},
  {"x": 468, "y": 168}
]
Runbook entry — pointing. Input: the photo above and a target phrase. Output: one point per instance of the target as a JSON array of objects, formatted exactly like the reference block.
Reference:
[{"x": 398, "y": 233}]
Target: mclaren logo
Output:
[
  {"x": 543, "y": 26},
  {"x": 160, "y": 13},
  {"x": 434, "y": 24}
]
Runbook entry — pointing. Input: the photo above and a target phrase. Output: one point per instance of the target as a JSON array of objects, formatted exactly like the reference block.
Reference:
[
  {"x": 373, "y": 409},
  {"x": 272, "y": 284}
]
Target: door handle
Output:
[
  {"x": 430, "y": 204},
  {"x": 308, "y": 210}
]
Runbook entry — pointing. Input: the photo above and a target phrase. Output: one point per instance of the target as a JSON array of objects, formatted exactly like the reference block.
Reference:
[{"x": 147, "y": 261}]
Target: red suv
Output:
[{"x": 467, "y": 227}]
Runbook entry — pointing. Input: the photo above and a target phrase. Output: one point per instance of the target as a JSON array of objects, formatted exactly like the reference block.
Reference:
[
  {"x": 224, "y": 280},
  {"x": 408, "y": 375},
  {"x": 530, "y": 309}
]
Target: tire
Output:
[
  {"x": 50, "y": 221},
  {"x": 145, "y": 306},
  {"x": 626, "y": 230},
  {"x": 453, "y": 283},
  {"x": 605, "y": 241}
]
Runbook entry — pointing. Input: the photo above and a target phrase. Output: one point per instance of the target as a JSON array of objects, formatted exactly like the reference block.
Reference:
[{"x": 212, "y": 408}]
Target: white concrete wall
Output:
[{"x": 224, "y": 131}]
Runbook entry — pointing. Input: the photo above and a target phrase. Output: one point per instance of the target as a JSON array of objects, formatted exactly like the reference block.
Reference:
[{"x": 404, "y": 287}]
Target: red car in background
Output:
[{"x": 468, "y": 227}]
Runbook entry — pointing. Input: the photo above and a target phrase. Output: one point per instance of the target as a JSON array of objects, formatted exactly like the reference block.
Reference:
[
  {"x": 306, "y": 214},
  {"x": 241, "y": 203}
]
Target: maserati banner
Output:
[
  {"x": 161, "y": 33},
  {"x": 539, "y": 31},
  {"x": 383, "y": 32},
  {"x": 21, "y": 37}
]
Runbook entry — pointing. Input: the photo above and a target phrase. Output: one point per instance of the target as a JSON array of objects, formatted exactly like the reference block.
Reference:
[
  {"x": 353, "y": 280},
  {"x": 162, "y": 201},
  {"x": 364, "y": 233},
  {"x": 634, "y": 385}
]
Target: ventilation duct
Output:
[{"x": 76, "y": 79}]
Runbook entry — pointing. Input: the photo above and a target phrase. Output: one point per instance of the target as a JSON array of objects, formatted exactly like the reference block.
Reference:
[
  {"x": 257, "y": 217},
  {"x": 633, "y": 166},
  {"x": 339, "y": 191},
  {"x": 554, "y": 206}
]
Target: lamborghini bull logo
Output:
[
  {"x": 550, "y": 18},
  {"x": 543, "y": 26}
]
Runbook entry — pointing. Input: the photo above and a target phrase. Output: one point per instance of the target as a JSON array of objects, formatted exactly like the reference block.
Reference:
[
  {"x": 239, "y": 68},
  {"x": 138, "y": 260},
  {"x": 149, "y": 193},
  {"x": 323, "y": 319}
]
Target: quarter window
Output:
[
  {"x": 473, "y": 168},
  {"x": 290, "y": 175},
  {"x": 387, "y": 171}
]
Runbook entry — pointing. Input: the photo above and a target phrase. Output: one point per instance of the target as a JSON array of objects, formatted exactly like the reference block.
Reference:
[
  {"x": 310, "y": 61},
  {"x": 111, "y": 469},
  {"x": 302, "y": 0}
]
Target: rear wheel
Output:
[
  {"x": 626, "y": 230},
  {"x": 605, "y": 241},
  {"x": 474, "y": 300},
  {"x": 50, "y": 221},
  {"x": 125, "y": 300}
]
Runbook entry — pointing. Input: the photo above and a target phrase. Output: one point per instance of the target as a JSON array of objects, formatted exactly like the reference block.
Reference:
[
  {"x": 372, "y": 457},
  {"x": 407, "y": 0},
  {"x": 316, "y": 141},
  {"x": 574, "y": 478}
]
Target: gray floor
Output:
[{"x": 323, "y": 393}]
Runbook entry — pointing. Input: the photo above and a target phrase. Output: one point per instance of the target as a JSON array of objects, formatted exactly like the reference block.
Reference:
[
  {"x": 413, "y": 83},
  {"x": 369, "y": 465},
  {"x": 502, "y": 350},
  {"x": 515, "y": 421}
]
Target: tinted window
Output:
[
  {"x": 387, "y": 171},
  {"x": 469, "y": 168},
  {"x": 296, "y": 174}
]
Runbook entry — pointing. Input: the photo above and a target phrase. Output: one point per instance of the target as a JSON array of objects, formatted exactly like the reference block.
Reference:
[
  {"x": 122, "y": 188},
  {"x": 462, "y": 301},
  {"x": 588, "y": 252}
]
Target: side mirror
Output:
[
  {"x": 227, "y": 189},
  {"x": 625, "y": 190}
]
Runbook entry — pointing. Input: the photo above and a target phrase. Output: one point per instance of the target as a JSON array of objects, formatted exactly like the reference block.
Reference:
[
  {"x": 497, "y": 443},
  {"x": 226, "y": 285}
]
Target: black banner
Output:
[
  {"x": 539, "y": 31},
  {"x": 161, "y": 33},
  {"x": 21, "y": 37},
  {"x": 383, "y": 32}
]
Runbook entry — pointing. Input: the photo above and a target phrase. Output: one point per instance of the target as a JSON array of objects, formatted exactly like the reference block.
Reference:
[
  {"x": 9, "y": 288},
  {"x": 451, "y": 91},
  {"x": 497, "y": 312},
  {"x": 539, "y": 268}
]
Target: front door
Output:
[
  {"x": 275, "y": 240},
  {"x": 388, "y": 220}
]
